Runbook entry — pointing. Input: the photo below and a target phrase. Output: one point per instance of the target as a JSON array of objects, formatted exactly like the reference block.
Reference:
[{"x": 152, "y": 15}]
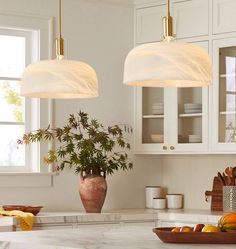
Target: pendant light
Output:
[
  {"x": 168, "y": 63},
  {"x": 59, "y": 78}
]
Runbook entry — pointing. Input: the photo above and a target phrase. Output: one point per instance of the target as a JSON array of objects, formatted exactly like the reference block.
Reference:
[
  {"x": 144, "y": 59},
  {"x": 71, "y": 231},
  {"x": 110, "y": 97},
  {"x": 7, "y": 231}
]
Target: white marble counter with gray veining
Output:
[
  {"x": 113, "y": 236},
  {"x": 73, "y": 219}
]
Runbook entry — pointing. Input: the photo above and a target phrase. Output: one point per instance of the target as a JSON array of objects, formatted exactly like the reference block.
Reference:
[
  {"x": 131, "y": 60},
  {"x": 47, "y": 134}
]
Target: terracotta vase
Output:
[{"x": 92, "y": 190}]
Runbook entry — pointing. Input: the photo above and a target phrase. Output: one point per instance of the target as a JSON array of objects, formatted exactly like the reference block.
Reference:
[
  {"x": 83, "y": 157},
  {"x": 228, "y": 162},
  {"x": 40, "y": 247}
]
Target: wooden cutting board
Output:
[{"x": 216, "y": 195}]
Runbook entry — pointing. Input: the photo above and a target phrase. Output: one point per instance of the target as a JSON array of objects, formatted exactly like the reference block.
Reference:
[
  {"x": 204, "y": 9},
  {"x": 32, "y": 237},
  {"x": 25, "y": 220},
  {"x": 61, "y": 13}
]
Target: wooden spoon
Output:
[
  {"x": 221, "y": 178},
  {"x": 234, "y": 175},
  {"x": 228, "y": 171},
  {"x": 227, "y": 179}
]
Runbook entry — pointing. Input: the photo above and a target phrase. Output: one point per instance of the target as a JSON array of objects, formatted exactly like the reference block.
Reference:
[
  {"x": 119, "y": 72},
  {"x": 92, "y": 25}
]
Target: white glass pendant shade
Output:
[
  {"x": 164, "y": 64},
  {"x": 57, "y": 79}
]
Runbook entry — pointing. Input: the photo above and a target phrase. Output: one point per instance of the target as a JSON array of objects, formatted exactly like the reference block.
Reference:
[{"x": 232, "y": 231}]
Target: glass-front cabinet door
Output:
[
  {"x": 171, "y": 120},
  {"x": 192, "y": 119},
  {"x": 224, "y": 95},
  {"x": 151, "y": 119}
]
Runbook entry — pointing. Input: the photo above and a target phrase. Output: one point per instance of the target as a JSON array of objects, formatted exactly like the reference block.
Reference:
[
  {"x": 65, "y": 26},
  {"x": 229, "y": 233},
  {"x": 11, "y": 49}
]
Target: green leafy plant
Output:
[
  {"x": 13, "y": 98},
  {"x": 85, "y": 145}
]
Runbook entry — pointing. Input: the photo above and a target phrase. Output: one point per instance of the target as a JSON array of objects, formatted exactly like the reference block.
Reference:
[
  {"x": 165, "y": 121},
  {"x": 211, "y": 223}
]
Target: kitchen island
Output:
[
  {"x": 160, "y": 218},
  {"x": 113, "y": 236}
]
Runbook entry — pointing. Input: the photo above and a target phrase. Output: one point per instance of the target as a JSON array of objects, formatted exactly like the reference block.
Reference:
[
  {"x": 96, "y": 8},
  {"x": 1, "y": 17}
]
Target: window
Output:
[
  {"x": 23, "y": 40},
  {"x": 15, "y": 51}
]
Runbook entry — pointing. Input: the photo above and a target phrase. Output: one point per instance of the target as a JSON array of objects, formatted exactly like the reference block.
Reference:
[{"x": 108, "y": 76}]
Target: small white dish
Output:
[
  {"x": 157, "y": 138},
  {"x": 174, "y": 201}
]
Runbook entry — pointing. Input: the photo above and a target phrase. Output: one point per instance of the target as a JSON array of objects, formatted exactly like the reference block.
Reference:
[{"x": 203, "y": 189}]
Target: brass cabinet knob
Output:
[
  {"x": 172, "y": 148},
  {"x": 164, "y": 147}
]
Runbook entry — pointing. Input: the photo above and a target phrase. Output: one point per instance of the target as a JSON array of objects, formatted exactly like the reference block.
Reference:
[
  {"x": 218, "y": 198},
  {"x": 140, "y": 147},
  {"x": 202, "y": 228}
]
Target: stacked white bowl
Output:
[
  {"x": 158, "y": 108},
  {"x": 192, "y": 108},
  {"x": 157, "y": 138},
  {"x": 195, "y": 139}
]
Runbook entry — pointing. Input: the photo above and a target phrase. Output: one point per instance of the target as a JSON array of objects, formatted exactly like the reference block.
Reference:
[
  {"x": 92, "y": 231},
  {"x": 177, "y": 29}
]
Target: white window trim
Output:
[{"x": 40, "y": 175}]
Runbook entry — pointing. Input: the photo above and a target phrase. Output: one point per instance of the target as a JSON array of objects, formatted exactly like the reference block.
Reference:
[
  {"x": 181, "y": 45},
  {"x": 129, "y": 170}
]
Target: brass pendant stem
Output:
[
  {"x": 168, "y": 24},
  {"x": 59, "y": 18},
  {"x": 59, "y": 40},
  {"x": 168, "y": 7}
]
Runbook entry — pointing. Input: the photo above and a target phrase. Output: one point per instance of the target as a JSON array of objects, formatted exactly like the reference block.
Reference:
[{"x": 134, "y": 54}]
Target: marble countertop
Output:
[
  {"x": 113, "y": 236},
  {"x": 118, "y": 216}
]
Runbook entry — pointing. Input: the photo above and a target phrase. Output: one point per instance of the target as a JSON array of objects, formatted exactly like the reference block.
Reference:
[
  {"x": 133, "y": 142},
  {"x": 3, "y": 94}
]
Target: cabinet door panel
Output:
[
  {"x": 224, "y": 95},
  {"x": 191, "y": 18},
  {"x": 224, "y": 16},
  {"x": 149, "y": 24},
  {"x": 192, "y": 117}
]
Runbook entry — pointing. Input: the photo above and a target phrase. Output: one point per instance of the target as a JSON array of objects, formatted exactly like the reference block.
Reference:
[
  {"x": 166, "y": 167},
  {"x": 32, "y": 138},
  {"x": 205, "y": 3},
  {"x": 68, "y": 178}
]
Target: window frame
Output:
[{"x": 39, "y": 37}]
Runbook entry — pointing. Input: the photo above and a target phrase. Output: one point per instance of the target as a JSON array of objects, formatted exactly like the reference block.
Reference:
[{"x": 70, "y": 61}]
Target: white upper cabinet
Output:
[
  {"x": 224, "y": 95},
  {"x": 187, "y": 120},
  {"x": 191, "y": 18},
  {"x": 224, "y": 16},
  {"x": 172, "y": 120},
  {"x": 149, "y": 23}
]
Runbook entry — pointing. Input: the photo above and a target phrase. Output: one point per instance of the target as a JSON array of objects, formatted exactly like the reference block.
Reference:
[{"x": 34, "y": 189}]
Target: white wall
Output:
[
  {"x": 192, "y": 175},
  {"x": 100, "y": 34}
]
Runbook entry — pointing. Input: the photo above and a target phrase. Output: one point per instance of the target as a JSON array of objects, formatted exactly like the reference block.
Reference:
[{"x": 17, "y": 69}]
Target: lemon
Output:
[{"x": 210, "y": 229}]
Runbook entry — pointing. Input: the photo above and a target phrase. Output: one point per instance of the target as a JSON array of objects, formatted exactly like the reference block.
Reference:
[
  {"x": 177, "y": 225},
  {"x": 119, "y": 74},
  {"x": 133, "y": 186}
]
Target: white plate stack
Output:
[
  {"x": 192, "y": 108},
  {"x": 158, "y": 108},
  {"x": 195, "y": 139}
]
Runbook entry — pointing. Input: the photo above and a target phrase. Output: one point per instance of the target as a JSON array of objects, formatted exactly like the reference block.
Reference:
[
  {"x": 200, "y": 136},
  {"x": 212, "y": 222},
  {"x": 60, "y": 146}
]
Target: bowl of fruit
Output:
[{"x": 223, "y": 233}]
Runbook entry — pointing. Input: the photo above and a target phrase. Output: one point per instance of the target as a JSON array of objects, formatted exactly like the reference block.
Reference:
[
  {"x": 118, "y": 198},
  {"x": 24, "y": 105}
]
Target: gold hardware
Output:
[
  {"x": 164, "y": 147},
  {"x": 59, "y": 40},
  {"x": 60, "y": 48},
  {"x": 172, "y": 148},
  {"x": 168, "y": 25}
]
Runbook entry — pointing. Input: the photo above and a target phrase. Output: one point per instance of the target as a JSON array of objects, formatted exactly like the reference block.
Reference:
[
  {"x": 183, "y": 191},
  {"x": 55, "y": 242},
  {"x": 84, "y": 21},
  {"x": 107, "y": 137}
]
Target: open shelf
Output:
[
  {"x": 227, "y": 112},
  {"x": 153, "y": 116},
  {"x": 227, "y": 75},
  {"x": 189, "y": 115}
]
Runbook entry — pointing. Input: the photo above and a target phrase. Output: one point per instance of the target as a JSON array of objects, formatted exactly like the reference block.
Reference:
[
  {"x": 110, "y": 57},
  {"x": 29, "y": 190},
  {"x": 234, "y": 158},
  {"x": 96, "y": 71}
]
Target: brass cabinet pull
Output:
[
  {"x": 164, "y": 147},
  {"x": 172, "y": 148}
]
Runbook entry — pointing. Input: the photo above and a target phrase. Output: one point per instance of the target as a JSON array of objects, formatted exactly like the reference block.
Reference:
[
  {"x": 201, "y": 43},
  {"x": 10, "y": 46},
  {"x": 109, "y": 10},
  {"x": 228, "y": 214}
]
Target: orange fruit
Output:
[{"x": 175, "y": 230}]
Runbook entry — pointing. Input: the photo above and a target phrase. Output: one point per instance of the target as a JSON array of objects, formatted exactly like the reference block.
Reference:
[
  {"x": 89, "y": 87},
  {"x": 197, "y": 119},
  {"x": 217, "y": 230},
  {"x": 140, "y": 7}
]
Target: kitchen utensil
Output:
[
  {"x": 228, "y": 171},
  {"x": 229, "y": 198},
  {"x": 221, "y": 179},
  {"x": 216, "y": 195},
  {"x": 227, "y": 179},
  {"x": 234, "y": 175}
]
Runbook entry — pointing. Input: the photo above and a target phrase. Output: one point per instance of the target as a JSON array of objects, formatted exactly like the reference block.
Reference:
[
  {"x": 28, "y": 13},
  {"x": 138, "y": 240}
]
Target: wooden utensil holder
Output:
[{"x": 216, "y": 195}]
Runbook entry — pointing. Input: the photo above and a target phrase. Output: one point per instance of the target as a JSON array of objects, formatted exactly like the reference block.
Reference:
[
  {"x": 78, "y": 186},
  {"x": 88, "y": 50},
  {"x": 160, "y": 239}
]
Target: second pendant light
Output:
[{"x": 168, "y": 63}]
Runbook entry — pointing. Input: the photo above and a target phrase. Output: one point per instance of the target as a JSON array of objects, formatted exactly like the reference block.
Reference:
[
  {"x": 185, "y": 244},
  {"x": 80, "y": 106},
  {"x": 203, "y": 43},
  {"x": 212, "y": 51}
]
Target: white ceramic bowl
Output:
[
  {"x": 159, "y": 203},
  {"x": 157, "y": 138},
  {"x": 174, "y": 201}
]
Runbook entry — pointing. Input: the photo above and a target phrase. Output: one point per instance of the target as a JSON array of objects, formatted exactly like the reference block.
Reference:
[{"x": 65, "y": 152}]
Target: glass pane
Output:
[
  {"x": 12, "y": 59},
  {"x": 153, "y": 115},
  {"x": 227, "y": 95},
  {"x": 12, "y": 105},
  {"x": 10, "y": 154},
  {"x": 190, "y": 115}
]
